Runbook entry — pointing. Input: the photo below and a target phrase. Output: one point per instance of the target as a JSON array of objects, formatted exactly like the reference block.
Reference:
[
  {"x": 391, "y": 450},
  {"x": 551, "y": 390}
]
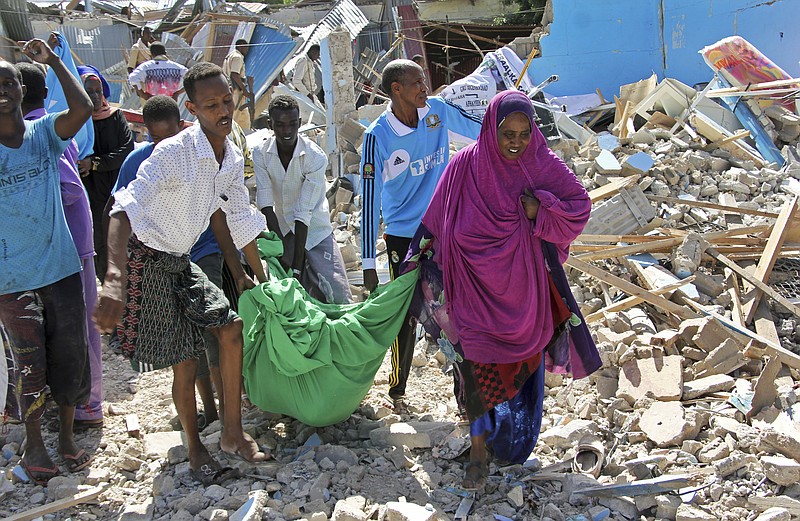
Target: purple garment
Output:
[
  {"x": 93, "y": 410},
  {"x": 73, "y": 196},
  {"x": 495, "y": 275}
]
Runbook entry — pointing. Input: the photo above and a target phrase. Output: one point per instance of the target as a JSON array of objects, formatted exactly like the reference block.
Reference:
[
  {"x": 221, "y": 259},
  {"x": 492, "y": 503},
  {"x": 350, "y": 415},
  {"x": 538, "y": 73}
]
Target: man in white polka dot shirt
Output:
[{"x": 190, "y": 179}]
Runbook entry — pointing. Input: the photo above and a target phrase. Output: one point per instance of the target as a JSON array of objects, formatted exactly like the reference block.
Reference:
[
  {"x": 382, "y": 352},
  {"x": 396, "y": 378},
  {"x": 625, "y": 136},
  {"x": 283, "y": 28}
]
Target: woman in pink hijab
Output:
[{"x": 492, "y": 289}]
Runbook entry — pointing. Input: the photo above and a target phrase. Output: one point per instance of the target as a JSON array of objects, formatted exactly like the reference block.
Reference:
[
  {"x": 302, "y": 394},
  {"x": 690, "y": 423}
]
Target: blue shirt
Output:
[
  {"x": 36, "y": 248},
  {"x": 401, "y": 166},
  {"x": 207, "y": 243}
]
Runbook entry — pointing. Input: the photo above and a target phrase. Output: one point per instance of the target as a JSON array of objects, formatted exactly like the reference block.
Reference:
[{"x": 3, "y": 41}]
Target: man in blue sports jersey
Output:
[{"x": 404, "y": 154}]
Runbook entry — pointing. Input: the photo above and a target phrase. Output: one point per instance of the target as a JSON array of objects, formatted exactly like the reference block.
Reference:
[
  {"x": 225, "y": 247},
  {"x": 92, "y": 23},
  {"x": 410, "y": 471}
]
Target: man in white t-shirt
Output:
[{"x": 159, "y": 76}]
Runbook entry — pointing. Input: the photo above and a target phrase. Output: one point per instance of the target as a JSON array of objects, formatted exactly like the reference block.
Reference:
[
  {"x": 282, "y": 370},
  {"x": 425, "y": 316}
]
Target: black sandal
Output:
[{"x": 213, "y": 473}]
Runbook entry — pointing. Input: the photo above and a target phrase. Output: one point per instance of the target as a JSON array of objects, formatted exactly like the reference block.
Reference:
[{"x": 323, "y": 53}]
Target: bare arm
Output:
[
  {"x": 299, "y": 259},
  {"x": 236, "y": 78},
  {"x": 219, "y": 225},
  {"x": 111, "y": 300},
  {"x": 272, "y": 221},
  {"x": 79, "y": 106}
]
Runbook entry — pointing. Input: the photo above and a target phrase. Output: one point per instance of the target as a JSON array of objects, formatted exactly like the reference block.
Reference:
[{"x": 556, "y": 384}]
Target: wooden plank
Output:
[
  {"x": 754, "y": 280},
  {"x": 631, "y": 249},
  {"x": 612, "y": 239},
  {"x": 770, "y": 348},
  {"x": 629, "y": 302},
  {"x": 716, "y": 144},
  {"x": 631, "y": 288},
  {"x": 56, "y": 506},
  {"x": 711, "y": 206},
  {"x": 736, "y": 300},
  {"x": 611, "y": 189},
  {"x": 767, "y": 261},
  {"x": 756, "y": 86},
  {"x": 765, "y": 323}
]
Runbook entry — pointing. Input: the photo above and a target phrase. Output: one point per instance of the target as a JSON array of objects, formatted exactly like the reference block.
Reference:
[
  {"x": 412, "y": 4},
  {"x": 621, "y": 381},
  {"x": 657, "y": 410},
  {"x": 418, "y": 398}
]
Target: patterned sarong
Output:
[{"x": 169, "y": 302}]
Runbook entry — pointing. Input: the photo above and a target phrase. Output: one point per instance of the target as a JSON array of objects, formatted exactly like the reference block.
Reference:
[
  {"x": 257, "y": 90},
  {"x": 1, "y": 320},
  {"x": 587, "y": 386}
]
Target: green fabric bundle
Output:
[{"x": 314, "y": 361}]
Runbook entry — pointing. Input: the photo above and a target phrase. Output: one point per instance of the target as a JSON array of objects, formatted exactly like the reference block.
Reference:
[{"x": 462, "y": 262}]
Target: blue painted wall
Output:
[{"x": 604, "y": 44}]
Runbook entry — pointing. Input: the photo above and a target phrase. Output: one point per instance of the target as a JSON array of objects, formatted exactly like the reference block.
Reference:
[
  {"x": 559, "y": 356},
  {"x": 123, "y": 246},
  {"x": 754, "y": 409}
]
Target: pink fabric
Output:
[{"x": 495, "y": 277}]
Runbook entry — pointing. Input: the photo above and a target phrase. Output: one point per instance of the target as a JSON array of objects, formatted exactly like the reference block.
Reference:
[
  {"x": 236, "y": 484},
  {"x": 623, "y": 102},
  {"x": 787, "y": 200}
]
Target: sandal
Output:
[
  {"x": 589, "y": 456},
  {"x": 475, "y": 476},
  {"x": 54, "y": 425},
  {"x": 213, "y": 473},
  {"x": 77, "y": 462},
  {"x": 39, "y": 475}
]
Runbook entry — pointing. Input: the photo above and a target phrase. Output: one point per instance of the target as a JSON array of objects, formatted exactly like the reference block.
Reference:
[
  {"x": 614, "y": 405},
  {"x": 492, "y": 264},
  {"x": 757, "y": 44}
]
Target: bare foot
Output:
[{"x": 244, "y": 448}]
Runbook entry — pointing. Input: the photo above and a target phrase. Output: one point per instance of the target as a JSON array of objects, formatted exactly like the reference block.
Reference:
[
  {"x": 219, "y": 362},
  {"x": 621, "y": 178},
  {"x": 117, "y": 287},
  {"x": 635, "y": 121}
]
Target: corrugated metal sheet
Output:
[
  {"x": 104, "y": 47},
  {"x": 16, "y": 20},
  {"x": 270, "y": 49},
  {"x": 344, "y": 13}
]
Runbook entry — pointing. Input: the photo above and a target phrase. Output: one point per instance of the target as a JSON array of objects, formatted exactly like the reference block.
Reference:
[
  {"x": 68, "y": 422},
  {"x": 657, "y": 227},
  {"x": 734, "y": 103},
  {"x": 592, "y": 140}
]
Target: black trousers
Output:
[{"x": 403, "y": 346}]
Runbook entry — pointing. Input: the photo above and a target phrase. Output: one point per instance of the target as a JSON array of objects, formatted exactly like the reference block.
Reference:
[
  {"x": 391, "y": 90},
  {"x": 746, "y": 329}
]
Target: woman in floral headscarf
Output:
[{"x": 492, "y": 289}]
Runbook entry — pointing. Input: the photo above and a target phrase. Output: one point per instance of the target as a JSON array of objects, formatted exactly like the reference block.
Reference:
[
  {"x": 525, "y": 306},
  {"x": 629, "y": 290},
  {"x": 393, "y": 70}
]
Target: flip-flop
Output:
[
  {"x": 213, "y": 474},
  {"x": 589, "y": 456},
  {"x": 39, "y": 475},
  {"x": 472, "y": 484},
  {"x": 73, "y": 461}
]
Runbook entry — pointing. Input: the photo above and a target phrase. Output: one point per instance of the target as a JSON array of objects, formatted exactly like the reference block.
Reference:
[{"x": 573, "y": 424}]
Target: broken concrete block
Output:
[
  {"x": 667, "y": 506},
  {"x": 516, "y": 497},
  {"x": 157, "y": 444},
  {"x": 714, "y": 451},
  {"x": 777, "y": 442},
  {"x": 780, "y": 470},
  {"x": 567, "y": 435},
  {"x": 414, "y": 435},
  {"x": 624, "y": 506},
  {"x": 727, "y": 466},
  {"x": 637, "y": 164},
  {"x": 775, "y": 514},
  {"x": 687, "y": 256},
  {"x": 722, "y": 360},
  {"x": 662, "y": 376},
  {"x": 711, "y": 334},
  {"x": 710, "y": 384},
  {"x": 605, "y": 334},
  {"x": 666, "y": 425},
  {"x": 606, "y": 163},
  {"x": 691, "y": 513},
  {"x": 399, "y": 511},
  {"x": 352, "y": 131},
  {"x": 347, "y": 511}
]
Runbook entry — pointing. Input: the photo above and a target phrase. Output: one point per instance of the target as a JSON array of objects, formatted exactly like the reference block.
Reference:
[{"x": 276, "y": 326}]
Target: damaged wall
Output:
[{"x": 606, "y": 44}]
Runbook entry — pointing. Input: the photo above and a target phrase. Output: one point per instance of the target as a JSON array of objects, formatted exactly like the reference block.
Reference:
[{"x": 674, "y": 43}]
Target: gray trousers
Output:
[{"x": 324, "y": 275}]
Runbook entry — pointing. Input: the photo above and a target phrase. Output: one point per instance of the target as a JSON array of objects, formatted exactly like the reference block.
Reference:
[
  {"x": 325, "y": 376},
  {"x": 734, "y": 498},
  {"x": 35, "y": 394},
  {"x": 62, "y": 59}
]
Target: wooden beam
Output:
[
  {"x": 55, "y": 506},
  {"x": 462, "y": 33},
  {"x": 755, "y": 281},
  {"x": 736, "y": 300},
  {"x": 765, "y": 324},
  {"x": 632, "y": 301},
  {"x": 711, "y": 206},
  {"x": 611, "y": 189},
  {"x": 631, "y": 288},
  {"x": 716, "y": 144},
  {"x": 612, "y": 239},
  {"x": 767, "y": 261},
  {"x": 631, "y": 249},
  {"x": 756, "y": 86}
]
